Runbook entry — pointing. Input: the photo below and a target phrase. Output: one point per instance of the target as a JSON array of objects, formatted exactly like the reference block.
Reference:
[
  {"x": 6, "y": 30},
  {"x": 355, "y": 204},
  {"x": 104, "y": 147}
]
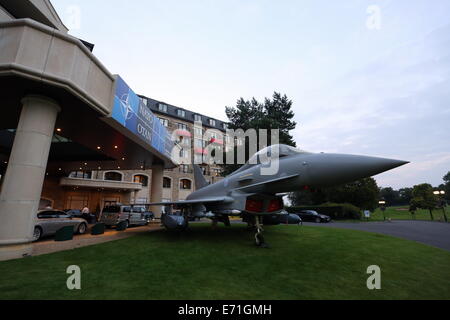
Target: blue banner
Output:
[{"x": 134, "y": 115}]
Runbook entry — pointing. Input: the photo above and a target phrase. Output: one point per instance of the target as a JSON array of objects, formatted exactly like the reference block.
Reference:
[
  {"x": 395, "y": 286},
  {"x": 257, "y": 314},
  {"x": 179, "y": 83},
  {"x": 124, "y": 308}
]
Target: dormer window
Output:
[
  {"x": 181, "y": 113},
  {"x": 212, "y": 122},
  {"x": 198, "y": 118},
  {"x": 162, "y": 107}
]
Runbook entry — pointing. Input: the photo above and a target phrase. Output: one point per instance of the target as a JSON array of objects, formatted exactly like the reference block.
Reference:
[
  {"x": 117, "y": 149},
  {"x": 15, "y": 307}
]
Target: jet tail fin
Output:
[{"x": 200, "y": 181}]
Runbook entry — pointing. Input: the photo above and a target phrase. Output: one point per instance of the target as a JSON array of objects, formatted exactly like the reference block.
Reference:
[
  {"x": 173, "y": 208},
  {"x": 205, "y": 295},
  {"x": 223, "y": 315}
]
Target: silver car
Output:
[
  {"x": 50, "y": 221},
  {"x": 131, "y": 215}
]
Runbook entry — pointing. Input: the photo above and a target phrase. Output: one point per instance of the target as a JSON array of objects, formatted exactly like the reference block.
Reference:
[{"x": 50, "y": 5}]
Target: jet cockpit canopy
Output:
[{"x": 270, "y": 153}]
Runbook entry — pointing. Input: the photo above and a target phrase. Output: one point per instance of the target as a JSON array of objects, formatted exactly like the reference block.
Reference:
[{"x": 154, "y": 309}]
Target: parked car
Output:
[
  {"x": 112, "y": 215},
  {"x": 148, "y": 215},
  {"x": 50, "y": 221},
  {"x": 89, "y": 217},
  {"x": 313, "y": 216}
]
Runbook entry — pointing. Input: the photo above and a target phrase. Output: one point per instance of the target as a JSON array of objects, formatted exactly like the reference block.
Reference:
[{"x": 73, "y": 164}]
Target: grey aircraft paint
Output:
[{"x": 250, "y": 193}]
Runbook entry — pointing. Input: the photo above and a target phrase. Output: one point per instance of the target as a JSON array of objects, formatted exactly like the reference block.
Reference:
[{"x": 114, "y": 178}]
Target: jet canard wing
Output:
[{"x": 267, "y": 182}]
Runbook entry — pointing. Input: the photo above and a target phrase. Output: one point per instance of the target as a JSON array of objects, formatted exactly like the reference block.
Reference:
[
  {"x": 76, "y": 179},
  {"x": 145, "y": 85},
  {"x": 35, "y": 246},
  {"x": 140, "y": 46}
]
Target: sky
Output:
[{"x": 366, "y": 77}]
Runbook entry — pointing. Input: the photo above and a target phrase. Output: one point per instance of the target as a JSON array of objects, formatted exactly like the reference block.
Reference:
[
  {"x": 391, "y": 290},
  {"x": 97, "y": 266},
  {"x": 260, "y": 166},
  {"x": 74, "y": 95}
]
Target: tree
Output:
[
  {"x": 307, "y": 197},
  {"x": 363, "y": 193},
  {"x": 275, "y": 113},
  {"x": 405, "y": 196},
  {"x": 424, "y": 198},
  {"x": 391, "y": 196},
  {"x": 446, "y": 178},
  {"x": 446, "y": 188}
]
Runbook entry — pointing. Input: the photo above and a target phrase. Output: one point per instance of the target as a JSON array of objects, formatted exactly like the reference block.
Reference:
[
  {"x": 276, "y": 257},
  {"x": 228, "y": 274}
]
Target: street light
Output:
[
  {"x": 441, "y": 194},
  {"x": 382, "y": 204}
]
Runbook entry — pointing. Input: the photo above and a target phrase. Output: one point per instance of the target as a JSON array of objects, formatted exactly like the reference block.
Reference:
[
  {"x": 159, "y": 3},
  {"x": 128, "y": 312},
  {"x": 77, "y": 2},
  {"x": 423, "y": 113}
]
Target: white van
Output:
[{"x": 114, "y": 214}]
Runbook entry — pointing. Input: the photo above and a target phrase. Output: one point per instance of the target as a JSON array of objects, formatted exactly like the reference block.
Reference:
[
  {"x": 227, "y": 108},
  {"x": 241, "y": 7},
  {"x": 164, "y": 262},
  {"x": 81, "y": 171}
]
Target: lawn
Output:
[
  {"x": 303, "y": 263},
  {"x": 402, "y": 213}
]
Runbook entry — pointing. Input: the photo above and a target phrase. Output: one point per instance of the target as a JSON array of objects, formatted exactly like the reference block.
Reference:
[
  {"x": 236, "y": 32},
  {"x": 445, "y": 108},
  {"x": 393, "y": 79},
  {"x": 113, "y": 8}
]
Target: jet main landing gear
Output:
[{"x": 259, "y": 238}]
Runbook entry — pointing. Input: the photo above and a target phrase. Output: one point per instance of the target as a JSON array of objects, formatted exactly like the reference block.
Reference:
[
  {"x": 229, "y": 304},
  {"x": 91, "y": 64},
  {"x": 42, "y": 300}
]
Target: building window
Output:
[
  {"x": 224, "y": 126},
  {"x": 141, "y": 179},
  {"x": 162, "y": 107},
  {"x": 181, "y": 113},
  {"x": 198, "y": 143},
  {"x": 164, "y": 122},
  {"x": 167, "y": 183},
  {"x": 182, "y": 126},
  {"x": 185, "y": 184},
  {"x": 144, "y": 101},
  {"x": 113, "y": 176},
  {"x": 185, "y": 168},
  {"x": 197, "y": 117},
  {"x": 198, "y": 132},
  {"x": 81, "y": 174},
  {"x": 212, "y": 122}
]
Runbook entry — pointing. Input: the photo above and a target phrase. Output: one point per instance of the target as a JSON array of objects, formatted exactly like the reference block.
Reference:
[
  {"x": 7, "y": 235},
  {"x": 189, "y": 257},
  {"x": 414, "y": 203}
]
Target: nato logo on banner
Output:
[{"x": 126, "y": 104}]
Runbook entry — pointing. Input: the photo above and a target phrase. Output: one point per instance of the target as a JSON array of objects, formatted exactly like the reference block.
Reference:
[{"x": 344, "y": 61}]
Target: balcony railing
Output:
[{"x": 100, "y": 184}]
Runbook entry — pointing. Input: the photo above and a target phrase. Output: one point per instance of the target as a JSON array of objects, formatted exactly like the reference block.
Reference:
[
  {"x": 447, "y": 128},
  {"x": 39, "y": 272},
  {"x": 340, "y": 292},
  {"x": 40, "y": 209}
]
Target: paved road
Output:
[{"x": 435, "y": 234}]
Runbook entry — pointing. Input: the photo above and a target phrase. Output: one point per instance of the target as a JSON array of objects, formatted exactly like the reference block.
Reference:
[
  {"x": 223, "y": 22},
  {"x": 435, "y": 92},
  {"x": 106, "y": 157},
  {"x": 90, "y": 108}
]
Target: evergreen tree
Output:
[{"x": 275, "y": 113}]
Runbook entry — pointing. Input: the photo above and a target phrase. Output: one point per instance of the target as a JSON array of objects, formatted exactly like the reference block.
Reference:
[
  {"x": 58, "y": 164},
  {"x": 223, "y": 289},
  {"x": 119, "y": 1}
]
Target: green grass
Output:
[
  {"x": 402, "y": 213},
  {"x": 303, "y": 263}
]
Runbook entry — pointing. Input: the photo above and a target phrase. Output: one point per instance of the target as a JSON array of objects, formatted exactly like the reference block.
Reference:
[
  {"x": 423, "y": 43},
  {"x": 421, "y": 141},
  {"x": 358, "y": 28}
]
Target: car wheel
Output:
[
  {"x": 318, "y": 220},
  {"x": 127, "y": 224},
  {"x": 82, "y": 228},
  {"x": 37, "y": 234}
]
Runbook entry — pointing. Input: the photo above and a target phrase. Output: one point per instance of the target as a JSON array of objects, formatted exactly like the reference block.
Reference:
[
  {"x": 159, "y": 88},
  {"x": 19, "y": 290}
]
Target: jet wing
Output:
[{"x": 196, "y": 201}]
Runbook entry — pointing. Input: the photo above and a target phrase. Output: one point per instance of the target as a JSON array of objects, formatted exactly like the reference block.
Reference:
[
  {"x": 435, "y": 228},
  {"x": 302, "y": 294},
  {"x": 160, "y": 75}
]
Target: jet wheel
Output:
[{"x": 259, "y": 240}]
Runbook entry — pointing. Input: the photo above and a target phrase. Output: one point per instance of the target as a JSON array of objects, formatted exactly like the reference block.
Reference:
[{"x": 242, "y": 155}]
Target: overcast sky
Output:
[{"x": 366, "y": 77}]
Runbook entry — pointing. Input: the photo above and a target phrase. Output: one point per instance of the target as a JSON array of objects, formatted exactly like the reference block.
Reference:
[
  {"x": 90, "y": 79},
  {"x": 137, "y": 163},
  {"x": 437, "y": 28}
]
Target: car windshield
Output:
[
  {"x": 112, "y": 209},
  {"x": 271, "y": 152},
  {"x": 47, "y": 214}
]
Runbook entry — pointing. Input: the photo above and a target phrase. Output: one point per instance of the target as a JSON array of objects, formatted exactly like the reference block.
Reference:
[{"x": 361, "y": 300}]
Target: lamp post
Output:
[
  {"x": 382, "y": 204},
  {"x": 441, "y": 194}
]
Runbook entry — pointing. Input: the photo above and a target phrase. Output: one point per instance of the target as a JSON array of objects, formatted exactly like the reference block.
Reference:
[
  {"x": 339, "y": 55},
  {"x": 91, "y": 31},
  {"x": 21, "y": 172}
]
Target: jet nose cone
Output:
[
  {"x": 333, "y": 169},
  {"x": 379, "y": 165}
]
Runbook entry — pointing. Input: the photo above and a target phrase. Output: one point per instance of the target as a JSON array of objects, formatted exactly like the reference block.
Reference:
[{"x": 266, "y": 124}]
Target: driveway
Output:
[
  {"x": 436, "y": 234},
  {"x": 49, "y": 245}
]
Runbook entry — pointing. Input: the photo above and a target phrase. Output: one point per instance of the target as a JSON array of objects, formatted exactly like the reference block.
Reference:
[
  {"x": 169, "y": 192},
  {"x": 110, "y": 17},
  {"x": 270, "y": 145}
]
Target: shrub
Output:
[{"x": 337, "y": 211}]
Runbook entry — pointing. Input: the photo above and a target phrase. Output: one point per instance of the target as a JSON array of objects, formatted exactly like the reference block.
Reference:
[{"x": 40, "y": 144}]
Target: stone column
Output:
[
  {"x": 24, "y": 178},
  {"x": 156, "y": 188}
]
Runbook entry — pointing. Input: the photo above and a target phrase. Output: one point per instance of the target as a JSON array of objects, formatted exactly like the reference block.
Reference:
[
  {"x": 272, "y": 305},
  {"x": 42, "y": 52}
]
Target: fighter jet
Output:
[{"x": 255, "y": 191}]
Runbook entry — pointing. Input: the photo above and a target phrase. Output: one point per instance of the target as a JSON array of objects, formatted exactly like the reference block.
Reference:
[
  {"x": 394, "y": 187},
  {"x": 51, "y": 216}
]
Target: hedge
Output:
[{"x": 337, "y": 211}]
